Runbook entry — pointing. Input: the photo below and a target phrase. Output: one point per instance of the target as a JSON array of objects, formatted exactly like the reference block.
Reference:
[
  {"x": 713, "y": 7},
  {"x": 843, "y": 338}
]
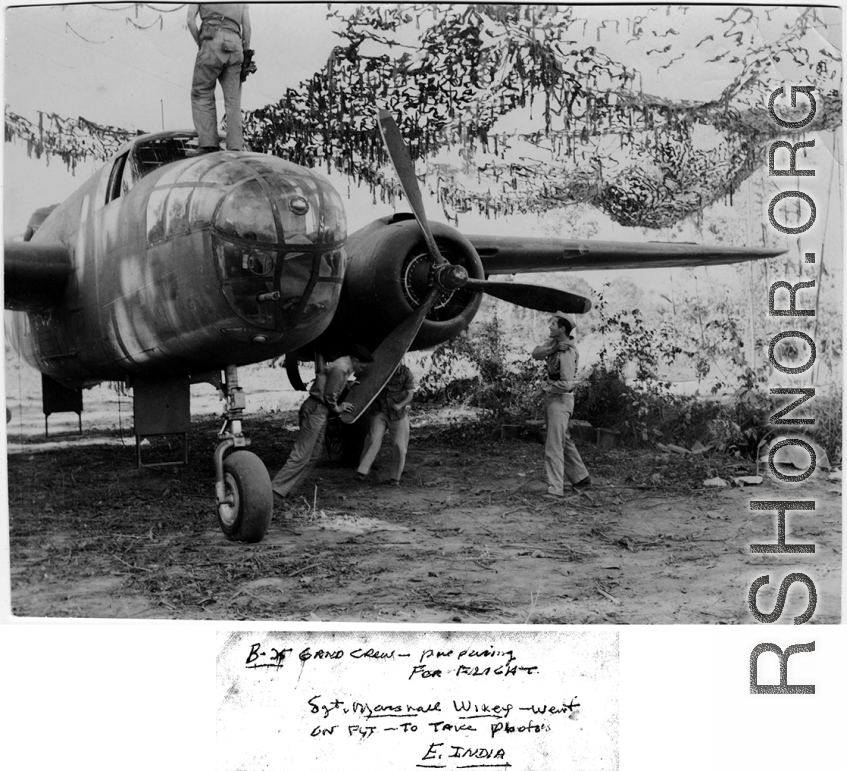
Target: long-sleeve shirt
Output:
[
  {"x": 562, "y": 363},
  {"x": 330, "y": 384}
]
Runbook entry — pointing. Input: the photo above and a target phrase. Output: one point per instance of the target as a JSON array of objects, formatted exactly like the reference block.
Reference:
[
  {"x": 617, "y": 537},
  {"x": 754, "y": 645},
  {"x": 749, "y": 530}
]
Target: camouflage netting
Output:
[
  {"x": 455, "y": 77},
  {"x": 643, "y": 160},
  {"x": 74, "y": 140}
]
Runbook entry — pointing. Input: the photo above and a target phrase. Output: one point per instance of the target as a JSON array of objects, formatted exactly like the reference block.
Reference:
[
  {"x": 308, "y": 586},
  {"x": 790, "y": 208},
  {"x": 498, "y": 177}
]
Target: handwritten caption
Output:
[
  {"x": 455, "y": 728},
  {"x": 389, "y": 700}
]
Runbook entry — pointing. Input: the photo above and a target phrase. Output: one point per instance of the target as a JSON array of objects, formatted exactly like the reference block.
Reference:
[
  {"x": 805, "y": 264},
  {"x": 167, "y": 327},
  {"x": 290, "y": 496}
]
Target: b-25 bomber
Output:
[{"x": 170, "y": 267}]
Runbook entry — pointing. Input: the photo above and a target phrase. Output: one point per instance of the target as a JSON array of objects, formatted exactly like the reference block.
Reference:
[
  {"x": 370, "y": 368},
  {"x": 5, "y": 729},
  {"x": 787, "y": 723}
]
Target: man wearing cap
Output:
[
  {"x": 222, "y": 40},
  {"x": 314, "y": 413},
  {"x": 561, "y": 457},
  {"x": 391, "y": 416}
]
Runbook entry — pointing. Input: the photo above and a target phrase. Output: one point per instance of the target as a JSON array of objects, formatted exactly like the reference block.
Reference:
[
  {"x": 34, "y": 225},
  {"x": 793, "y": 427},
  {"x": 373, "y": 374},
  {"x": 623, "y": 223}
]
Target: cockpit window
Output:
[
  {"x": 154, "y": 153},
  {"x": 147, "y": 156}
]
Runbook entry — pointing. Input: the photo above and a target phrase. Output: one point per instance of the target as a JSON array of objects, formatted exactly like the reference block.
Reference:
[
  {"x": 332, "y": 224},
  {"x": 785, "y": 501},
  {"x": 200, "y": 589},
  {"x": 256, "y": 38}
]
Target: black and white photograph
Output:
[
  {"x": 468, "y": 365},
  {"x": 421, "y": 313}
]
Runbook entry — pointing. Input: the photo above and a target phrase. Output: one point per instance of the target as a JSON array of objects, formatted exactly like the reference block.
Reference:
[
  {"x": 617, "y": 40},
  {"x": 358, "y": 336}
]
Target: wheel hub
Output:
[{"x": 228, "y": 510}]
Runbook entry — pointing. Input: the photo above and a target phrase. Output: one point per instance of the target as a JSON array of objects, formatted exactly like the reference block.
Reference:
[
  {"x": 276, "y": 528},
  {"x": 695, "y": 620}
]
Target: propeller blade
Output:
[
  {"x": 391, "y": 350},
  {"x": 539, "y": 298},
  {"x": 386, "y": 358},
  {"x": 292, "y": 369},
  {"x": 405, "y": 169}
]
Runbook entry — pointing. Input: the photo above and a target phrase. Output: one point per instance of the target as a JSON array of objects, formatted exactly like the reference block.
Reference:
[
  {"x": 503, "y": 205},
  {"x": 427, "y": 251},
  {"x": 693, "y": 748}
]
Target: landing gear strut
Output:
[{"x": 242, "y": 483}]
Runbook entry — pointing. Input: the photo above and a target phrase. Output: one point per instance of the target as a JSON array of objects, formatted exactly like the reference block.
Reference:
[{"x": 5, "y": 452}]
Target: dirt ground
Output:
[{"x": 468, "y": 537}]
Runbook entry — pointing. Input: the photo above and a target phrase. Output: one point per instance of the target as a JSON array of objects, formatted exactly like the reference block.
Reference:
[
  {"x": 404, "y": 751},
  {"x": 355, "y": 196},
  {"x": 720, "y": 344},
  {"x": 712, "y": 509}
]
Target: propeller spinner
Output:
[{"x": 444, "y": 278}]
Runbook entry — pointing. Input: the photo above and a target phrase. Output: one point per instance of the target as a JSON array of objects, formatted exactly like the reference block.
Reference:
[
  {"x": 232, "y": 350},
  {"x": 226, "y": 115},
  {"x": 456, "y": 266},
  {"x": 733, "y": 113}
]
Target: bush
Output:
[
  {"x": 827, "y": 431},
  {"x": 646, "y": 411},
  {"x": 504, "y": 383},
  {"x": 454, "y": 360},
  {"x": 603, "y": 398}
]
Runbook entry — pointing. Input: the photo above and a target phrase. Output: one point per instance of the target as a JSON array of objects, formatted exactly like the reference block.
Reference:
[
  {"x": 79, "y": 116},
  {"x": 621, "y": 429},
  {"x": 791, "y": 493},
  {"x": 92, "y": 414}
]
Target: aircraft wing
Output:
[
  {"x": 35, "y": 275},
  {"x": 510, "y": 254}
]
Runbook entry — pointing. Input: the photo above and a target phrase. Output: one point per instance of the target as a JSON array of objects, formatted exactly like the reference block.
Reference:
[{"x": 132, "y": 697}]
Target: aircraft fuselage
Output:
[{"x": 226, "y": 258}]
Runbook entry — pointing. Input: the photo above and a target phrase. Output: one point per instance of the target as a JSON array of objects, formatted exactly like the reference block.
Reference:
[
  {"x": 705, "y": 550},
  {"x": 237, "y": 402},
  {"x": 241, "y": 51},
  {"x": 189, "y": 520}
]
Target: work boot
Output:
[{"x": 582, "y": 484}]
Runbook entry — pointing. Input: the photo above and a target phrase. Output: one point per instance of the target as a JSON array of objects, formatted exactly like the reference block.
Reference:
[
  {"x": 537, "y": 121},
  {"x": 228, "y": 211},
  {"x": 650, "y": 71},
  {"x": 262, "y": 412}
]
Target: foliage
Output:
[
  {"x": 829, "y": 421},
  {"x": 628, "y": 340},
  {"x": 827, "y": 431},
  {"x": 504, "y": 384},
  {"x": 706, "y": 333},
  {"x": 645, "y": 412}
]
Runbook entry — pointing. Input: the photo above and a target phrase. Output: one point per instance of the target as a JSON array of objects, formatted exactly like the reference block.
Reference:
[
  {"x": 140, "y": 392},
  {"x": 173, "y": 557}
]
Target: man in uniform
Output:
[
  {"x": 314, "y": 413},
  {"x": 391, "y": 415},
  {"x": 561, "y": 457},
  {"x": 222, "y": 40}
]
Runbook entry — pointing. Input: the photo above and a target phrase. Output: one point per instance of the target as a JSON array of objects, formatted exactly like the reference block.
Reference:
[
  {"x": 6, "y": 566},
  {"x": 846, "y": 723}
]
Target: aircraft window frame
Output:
[
  {"x": 152, "y": 154},
  {"x": 176, "y": 210},
  {"x": 114, "y": 188},
  {"x": 248, "y": 199},
  {"x": 130, "y": 175},
  {"x": 299, "y": 228},
  {"x": 156, "y": 214}
]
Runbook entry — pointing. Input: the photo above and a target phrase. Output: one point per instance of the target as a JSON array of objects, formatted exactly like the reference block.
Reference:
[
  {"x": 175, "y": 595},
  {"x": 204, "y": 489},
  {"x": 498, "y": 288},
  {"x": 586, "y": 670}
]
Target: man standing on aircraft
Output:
[
  {"x": 314, "y": 413},
  {"x": 222, "y": 40},
  {"x": 391, "y": 415},
  {"x": 561, "y": 457}
]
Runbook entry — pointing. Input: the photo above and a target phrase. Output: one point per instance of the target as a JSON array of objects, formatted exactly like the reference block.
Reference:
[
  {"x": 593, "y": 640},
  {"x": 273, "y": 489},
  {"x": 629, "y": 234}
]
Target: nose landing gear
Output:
[{"x": 242, "y": 483}]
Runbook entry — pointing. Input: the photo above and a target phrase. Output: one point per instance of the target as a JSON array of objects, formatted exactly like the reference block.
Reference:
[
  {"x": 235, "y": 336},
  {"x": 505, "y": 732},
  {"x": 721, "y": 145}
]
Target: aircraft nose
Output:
[
  {"x": 279, "y": 246},
  {"x": 284, "y": 209}
]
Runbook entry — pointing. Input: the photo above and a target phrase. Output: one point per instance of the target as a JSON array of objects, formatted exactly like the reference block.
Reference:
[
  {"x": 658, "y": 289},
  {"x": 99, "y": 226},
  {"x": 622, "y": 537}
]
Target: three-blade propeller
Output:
[{"x": 445, "y": 278}]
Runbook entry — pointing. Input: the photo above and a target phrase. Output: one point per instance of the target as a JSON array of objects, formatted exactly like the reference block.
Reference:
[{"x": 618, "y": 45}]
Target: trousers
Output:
[
  {"x": 561, "y": 457},
  {"x": 218, "y": 59},
  {"x": 398, "y": 434},
  {"x": 308, "y": 447}
]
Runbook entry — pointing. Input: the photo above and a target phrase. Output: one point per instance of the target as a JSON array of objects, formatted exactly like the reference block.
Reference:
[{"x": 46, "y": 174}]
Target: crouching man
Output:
[
  {"x": 314, "y": 413},
  {"x": 391, "y": 416}
]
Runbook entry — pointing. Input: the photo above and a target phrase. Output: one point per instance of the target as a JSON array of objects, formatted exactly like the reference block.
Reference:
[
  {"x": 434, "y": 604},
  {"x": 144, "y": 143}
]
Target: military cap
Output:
[
  {"x": 361, "y": 353},
  {"x": 569, "y": 317}
]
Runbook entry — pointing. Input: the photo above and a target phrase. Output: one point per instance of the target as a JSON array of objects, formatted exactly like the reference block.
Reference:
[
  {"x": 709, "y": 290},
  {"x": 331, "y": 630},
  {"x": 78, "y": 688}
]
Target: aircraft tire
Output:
[{"x": 249, "y": 483}]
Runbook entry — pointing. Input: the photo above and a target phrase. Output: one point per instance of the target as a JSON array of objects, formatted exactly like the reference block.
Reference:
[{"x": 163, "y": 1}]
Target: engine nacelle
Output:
[{"x": 388, "y": 279}]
